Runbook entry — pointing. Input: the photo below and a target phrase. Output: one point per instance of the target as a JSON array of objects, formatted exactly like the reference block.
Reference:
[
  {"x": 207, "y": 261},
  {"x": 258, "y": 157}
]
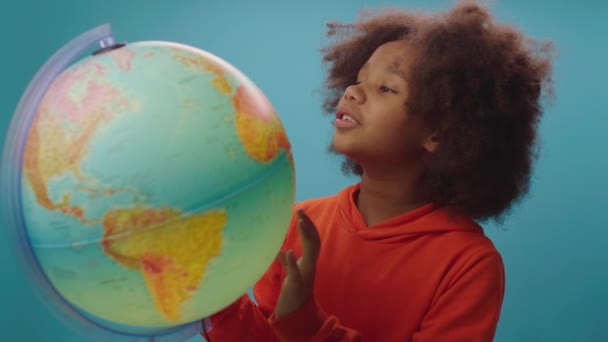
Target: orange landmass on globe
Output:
[
  {"x": 170, "y": 250},
  {"x": 123, "y": 58},
  {"x": 66, "y": 121},
  {"x": 199, "y": 63},
  {"x": 258, "y": 126}
]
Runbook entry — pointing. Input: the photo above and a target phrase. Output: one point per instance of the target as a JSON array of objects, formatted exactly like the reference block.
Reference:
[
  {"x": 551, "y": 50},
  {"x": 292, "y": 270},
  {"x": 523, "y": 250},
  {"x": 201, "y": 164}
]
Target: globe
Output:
[{"x": 156, "y": 184}]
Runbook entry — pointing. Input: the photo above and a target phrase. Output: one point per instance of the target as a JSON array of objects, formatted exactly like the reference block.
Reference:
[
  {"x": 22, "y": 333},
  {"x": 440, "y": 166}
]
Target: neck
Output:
[{"x": 384, "y": 195}]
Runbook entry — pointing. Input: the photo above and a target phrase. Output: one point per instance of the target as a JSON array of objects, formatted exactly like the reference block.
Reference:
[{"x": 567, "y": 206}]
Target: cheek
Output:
[
  {"x": 385, "y": 136},
  {"x": 391, "y": 124},
  {"x": 396, "y": 132}
]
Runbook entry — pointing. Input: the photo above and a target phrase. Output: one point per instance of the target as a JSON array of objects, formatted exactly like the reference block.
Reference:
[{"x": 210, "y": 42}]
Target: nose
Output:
[{"x": 354, "y": 93}]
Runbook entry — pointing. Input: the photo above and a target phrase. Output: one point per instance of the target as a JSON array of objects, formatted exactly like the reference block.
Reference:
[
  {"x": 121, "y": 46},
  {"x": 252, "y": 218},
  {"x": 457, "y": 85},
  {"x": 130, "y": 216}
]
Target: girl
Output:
[{"x": 438, "y": 116}]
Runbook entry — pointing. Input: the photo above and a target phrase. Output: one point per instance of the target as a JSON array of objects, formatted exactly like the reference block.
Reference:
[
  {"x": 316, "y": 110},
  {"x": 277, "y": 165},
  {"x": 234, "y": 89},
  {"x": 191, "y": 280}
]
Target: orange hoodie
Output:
[{"x": 421, "y": 276}]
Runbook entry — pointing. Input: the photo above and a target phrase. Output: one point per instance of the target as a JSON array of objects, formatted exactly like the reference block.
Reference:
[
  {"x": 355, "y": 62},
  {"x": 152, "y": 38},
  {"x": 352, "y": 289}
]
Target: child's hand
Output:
[{"x": 299, "y": 283}]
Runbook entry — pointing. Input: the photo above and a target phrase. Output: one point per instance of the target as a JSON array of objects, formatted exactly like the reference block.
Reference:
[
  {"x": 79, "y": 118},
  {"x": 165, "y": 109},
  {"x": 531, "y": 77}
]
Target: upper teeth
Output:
[{"x": 347, "y": 117}]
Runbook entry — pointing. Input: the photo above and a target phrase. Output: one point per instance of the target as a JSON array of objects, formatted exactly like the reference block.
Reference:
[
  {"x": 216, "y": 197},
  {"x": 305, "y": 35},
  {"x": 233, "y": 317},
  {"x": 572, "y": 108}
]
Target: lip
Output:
[{"x": 342, "y": 110}]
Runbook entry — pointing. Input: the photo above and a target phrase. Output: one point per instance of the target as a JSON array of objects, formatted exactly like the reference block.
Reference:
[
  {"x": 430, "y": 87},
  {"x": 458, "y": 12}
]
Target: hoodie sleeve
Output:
[
  {"x": 245, "y": 320},
  {"x": 311, "y": 324},
  {"x": 469, "y": 308}
]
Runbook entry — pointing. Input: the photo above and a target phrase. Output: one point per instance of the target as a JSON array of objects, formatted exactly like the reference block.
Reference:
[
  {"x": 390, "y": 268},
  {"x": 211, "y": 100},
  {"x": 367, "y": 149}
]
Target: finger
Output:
[
  {"x": 310, "y": 231},
  {"x": 281, "y": 258},
  {"x": 314, "y": 234},
  {"x": 309, "y": 235},
  {"x": 293, "y": 270},
  {"x": 310, "y": 246}
]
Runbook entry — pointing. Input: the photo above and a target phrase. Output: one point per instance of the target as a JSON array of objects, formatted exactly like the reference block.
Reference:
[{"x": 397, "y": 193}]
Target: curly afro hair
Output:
[{"x": 478, "y": 83}]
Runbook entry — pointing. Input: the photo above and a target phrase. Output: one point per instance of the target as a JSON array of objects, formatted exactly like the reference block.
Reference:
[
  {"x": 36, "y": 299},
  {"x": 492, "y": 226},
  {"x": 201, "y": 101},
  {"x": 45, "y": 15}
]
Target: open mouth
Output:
[{"x": 347, "y": 118}]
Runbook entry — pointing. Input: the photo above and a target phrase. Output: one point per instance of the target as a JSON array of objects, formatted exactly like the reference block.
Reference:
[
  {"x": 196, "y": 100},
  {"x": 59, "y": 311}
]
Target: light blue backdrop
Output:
[{"x": 554, "y": 245}]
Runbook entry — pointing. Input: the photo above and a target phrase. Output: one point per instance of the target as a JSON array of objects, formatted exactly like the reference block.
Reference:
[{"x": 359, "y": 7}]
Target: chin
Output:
[
  {"x": 339, "y": 146},
  {"x": 349, "y": 166}
]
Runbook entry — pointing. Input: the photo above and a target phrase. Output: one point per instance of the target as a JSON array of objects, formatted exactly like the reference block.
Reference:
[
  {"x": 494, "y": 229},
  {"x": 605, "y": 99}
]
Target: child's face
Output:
[{"x": 372, "y": 124}]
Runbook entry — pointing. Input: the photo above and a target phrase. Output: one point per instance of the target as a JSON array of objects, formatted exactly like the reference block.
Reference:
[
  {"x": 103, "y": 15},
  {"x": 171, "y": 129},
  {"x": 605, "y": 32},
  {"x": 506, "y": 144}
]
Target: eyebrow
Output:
[{"x": 393, "y": 68}]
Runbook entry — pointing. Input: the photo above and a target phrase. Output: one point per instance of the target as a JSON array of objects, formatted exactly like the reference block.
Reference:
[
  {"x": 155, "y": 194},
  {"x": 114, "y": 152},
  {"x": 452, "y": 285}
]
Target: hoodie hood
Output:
[{"x": 427, "y": 219}]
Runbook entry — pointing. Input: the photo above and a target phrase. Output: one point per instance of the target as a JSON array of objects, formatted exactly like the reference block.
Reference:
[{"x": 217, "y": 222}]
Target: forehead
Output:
[{"x": 394, "y": 56}]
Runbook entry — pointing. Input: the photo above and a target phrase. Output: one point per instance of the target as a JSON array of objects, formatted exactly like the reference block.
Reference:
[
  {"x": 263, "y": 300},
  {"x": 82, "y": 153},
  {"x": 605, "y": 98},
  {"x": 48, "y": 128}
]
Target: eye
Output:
[{"x": 385, "y": 89}]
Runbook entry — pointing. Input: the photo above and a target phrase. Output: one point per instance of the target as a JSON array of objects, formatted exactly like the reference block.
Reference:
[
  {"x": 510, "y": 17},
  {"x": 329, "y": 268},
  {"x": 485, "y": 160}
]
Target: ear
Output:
[{"x": 431, "y": 143}]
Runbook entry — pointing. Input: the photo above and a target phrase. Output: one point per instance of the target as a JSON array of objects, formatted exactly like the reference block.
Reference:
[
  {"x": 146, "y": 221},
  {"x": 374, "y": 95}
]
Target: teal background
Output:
[{"x": 554, "y": 244}]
